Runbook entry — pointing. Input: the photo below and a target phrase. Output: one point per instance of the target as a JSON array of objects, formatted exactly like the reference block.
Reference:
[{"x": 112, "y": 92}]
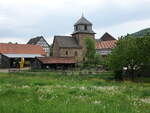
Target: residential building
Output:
[
  {"x": 42, "y": 42},
  {"x": 105, "y": 44}
]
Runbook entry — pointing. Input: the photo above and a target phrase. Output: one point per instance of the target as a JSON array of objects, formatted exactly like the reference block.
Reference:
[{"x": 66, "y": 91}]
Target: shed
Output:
[
  {"x": 10, "y": 54},
  {"x": 53, "y": 63}
]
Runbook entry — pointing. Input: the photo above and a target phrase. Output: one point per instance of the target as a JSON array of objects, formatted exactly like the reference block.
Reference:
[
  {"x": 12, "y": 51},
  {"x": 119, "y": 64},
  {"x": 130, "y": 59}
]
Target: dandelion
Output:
[
  {"x": 97, "y": 102},
  {"x": 145, "y": 100},
  {"x": 25, "y": 86}
]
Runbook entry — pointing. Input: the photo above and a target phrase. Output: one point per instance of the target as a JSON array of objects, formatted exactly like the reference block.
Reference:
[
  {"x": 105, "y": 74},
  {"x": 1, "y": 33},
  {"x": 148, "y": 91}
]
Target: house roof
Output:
[
  {"x": 57, "y": 60},
  {"x": 6, "y": 48},
  {"x": 107, "y": 37},
  {"x": 83, "y": 21},
  {"x": 106, "y": 44},
  {"x": 35, "y": 40},
  {"x": 67, "y": 42}
]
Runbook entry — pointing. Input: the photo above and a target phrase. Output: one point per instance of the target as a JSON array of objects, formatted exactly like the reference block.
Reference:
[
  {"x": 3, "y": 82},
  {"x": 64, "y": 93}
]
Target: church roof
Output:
[
  {"x": 67, "y": 42},
  {"x": 82, "y": 31},
  {"x": 83, "y": 21},
  {"x": 107, "y": 37}
]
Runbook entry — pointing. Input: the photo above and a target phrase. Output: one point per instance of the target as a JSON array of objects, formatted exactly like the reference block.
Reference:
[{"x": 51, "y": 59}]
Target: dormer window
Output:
[{"x": 85, "y": 27}]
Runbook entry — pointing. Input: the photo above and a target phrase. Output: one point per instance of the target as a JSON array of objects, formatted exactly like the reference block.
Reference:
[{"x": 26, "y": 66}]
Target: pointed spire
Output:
[{"x": 83, "y": 21}]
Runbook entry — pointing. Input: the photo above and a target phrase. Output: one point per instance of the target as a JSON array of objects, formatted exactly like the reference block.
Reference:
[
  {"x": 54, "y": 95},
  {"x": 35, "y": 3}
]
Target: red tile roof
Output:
[
  {"x": 106, "y": 44},
  {"x": 6, "y": 48},
  {"x": 57, "y": 60}
]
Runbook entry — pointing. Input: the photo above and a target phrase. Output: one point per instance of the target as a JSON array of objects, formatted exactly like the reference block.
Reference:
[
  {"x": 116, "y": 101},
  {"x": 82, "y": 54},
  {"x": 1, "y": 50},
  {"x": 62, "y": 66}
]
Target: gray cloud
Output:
[{"x": 27, "y": 19}]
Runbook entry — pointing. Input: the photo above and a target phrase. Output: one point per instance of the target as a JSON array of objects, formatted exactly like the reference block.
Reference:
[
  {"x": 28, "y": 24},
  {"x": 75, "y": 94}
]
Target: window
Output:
[
  {"x": 76, "y": 53},
  {"x": 85, "y": 27},
  {"x": 67, "y": 53},
  {"x": 76, "y": 28}
]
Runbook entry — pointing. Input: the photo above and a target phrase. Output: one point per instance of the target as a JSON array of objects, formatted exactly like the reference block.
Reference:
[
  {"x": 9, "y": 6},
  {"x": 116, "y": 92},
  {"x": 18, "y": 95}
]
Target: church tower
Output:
[{"x": 83, "y": 29}]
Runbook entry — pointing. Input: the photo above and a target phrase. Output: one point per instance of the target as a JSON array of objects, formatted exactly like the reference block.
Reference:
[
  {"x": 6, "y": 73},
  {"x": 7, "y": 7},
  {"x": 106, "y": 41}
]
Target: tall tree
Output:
[
  {"x": 90, "y": 49},
  {"x": 130, "y": 53}
]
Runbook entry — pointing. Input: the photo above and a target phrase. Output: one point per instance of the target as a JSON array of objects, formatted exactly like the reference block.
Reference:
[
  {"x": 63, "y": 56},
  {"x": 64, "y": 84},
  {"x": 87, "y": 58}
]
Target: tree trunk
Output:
[{"x": 132, "y": 74}]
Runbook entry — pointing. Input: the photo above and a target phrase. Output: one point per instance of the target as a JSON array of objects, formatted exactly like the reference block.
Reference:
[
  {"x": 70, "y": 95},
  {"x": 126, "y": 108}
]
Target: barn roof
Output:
[
  {"x": 106, "y": 44},
  {"x": 57, "y": 60},
  {"x": 23, "y": 55},
  {"x": 67, "y": 42},
  {"x": 7, "y": 48}
]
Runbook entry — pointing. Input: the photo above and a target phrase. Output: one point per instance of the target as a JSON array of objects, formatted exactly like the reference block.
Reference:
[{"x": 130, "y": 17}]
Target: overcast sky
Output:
[{"x": 21, "y": 20}]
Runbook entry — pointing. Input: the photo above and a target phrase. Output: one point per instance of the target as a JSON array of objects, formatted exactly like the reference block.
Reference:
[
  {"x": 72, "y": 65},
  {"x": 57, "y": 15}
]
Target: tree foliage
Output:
[
  {"x": 91, "y": 57},
  {"x": 130, "y": 53}
]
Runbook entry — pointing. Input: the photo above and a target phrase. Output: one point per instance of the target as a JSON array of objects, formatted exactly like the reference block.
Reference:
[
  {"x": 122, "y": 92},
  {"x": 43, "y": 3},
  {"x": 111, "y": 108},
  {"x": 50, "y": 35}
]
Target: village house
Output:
[
  {"x": 10, "y": 54},
  {"x": 105, "y": 44},
  {"x": 42, "y": 42}
]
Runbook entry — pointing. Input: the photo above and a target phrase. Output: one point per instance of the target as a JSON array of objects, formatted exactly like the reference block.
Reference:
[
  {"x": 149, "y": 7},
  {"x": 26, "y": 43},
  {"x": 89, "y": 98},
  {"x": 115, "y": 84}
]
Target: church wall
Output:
[
  {"x": 71, "y": 52},
  {"x": 81, "y": 39},
  {"x": 56, "y": 49}
]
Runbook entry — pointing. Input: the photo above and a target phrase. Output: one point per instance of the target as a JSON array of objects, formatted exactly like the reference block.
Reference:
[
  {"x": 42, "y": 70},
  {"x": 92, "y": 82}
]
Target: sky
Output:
[{"x": 21, "y": 20}]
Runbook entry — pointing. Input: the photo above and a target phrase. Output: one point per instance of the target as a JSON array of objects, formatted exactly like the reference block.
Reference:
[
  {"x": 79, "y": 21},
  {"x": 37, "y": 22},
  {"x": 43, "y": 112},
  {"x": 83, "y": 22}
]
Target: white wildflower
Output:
[
  {"x": 25, "y": 86},
  {"x": 97, "y": 102}
]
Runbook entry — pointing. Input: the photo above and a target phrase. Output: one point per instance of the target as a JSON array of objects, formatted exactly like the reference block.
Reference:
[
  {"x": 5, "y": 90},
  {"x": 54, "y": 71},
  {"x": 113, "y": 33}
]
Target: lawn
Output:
[{"x": 52, "y": 93}]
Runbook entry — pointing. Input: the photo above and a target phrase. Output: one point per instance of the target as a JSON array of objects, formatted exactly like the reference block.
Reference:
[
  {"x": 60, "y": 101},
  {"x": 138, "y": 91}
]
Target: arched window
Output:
[
  {"x": 85, "y": 27},
  {"x": 75, "y": 53},
  {"x": 67, "y": 53}
]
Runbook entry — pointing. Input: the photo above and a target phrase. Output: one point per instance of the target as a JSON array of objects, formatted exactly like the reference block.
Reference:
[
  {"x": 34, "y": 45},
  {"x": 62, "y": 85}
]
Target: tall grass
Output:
[{"x": 52, "y": 93}]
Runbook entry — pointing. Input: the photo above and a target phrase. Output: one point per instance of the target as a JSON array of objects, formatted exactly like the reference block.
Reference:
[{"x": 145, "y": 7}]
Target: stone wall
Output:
[
  {"x": 81, "y": 40},
  {"x": 56, "y": 49},
  {"x": 81, "y": 37},
  {"x": 72, "y": 52}
]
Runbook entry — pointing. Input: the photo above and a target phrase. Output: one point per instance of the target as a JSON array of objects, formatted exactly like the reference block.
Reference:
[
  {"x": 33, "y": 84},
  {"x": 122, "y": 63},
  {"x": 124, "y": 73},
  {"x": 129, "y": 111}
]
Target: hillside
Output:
[{"x": 141, "y": 33}]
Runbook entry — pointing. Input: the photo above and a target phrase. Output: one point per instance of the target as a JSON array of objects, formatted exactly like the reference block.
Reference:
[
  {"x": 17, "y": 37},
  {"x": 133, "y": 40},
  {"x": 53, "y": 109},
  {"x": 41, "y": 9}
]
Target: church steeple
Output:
[
  {"x": 82, "y": 30},
  {"x": 83, "y": 26}
]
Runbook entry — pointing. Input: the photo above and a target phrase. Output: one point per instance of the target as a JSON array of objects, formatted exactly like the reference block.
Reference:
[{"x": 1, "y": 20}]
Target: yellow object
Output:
[{"x": 22, "y": 62}]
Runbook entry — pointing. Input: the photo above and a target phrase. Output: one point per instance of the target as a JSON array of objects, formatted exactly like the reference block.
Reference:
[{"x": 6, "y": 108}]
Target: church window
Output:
[
  {"x": 76, "y": 28},
  {"x": 76, "y": 53},
  {"x": 85, "y": 27},
  {"x": 66, "y": 52}
]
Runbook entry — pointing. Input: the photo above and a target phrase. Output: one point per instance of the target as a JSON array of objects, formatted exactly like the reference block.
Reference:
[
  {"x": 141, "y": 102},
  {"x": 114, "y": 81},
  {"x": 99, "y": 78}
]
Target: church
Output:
[
  {"x": 66, "y": 51},
  {"x": 74, "y": 46}
]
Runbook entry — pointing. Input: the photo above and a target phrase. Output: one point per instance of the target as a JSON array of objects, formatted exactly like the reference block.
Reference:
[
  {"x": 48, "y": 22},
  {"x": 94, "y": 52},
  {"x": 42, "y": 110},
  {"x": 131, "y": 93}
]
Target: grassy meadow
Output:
[{"x": 52, "y": 93}]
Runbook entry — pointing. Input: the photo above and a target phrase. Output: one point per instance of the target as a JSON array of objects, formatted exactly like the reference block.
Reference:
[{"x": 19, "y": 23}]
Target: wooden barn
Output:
[
  {"x": 11, "y": 54},
  {"x": 53, "y": 63}
]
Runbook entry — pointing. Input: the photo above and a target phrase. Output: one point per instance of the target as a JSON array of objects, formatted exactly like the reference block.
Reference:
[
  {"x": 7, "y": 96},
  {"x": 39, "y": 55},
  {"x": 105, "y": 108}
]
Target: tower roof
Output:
[{"x": 83, "y": 21}]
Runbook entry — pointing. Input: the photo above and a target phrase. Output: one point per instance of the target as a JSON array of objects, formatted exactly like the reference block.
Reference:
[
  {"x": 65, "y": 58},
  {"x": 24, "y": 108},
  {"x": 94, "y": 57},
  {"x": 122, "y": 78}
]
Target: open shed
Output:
[{"x": 53, "y": 63}]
